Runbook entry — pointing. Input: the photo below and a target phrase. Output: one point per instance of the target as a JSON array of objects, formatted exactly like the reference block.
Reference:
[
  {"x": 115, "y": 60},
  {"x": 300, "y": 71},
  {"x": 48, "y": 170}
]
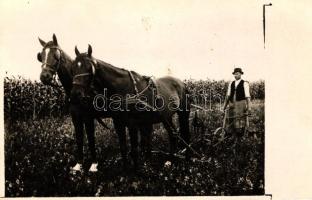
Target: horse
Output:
[
  {"x": 124, "y": 86},
  {"x": 55, "y": 61}
]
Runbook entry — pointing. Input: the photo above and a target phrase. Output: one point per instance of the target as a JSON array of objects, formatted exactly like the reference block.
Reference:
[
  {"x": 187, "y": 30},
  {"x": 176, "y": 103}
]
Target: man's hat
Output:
[{"x": 238, "y": 70}]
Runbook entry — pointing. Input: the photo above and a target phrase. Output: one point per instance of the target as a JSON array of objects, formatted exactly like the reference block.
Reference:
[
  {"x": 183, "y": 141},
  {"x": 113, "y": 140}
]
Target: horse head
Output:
[
  {"x": 83, "y": 72},
  {"x": 50, "y": 57}
]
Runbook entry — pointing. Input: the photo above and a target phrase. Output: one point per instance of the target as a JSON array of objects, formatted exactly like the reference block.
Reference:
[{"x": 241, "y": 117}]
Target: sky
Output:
[{"x": 186, "y": 39}]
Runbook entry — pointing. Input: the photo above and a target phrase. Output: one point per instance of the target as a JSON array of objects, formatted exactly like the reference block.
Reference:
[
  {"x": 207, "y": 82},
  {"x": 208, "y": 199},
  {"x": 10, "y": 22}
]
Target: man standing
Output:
[{"x": 238, "y": 98}]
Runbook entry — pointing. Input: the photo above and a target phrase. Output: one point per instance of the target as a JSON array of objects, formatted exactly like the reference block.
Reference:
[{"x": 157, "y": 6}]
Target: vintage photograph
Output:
[{"x": 134, "y": 98}]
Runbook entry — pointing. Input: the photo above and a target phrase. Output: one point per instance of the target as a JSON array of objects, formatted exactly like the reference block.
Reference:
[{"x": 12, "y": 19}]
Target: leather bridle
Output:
[
  {"x": 51, "y": 67},
  {"x": 93, "y": 64}
]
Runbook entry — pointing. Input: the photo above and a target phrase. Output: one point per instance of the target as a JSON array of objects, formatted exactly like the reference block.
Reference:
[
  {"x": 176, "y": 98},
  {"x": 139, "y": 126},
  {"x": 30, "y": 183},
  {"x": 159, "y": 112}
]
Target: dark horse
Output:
[
  {"x": 135, "y": 103},
  {"x": 55, "y": 61}
]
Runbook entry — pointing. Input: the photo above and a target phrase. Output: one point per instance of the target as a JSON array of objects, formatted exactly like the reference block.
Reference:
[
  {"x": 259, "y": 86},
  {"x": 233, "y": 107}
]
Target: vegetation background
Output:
[{"x": 39, "y": 149}]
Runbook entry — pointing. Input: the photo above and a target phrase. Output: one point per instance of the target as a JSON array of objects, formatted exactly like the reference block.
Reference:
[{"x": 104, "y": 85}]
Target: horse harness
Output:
[
  {"x": 50, "y": 66},
  {"x": 150, "y": 85},
  {"x": 93, "y": 63},
  {"x": 135, "y": 98},
  {"x": 131, "y": 99}
]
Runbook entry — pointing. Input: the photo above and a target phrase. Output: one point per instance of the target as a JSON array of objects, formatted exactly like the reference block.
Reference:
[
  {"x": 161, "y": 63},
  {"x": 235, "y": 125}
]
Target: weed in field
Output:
[{"x": 39, "y": 154}]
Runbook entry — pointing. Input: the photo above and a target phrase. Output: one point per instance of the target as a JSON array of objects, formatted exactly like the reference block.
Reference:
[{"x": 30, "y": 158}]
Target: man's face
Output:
[{"x": 237, "y": 75}]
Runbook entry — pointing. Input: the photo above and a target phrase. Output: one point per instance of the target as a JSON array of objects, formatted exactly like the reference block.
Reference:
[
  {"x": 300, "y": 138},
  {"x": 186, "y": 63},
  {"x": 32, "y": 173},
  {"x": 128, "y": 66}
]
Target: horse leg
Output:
[
  {"x": 184, "y": 125},
  {"x": 146, "y": 133},
  {"x": 142, "y": 140},
  {"x": 169, "y": 126},
  {"x": 133, "y": 132},
  {"x": 184, "y": 128},
  {"x": 78, "y": 125},
  {"x": 89, "y": 125},
  {"x": 121, "y": 132}
]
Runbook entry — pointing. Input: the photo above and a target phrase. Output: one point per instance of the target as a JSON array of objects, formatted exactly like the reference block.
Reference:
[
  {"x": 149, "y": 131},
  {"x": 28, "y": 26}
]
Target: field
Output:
[
  {"x": 39, "y": 149},
  {"x": 39, "y": 154}
]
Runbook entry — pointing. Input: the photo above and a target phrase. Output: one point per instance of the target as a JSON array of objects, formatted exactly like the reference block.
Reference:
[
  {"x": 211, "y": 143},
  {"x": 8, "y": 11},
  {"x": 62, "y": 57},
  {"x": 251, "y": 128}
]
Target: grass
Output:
[{"x": 39, "y": 154}]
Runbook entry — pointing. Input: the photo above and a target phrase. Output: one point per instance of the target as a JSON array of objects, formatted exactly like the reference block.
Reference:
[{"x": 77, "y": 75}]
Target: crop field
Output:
[{"x": 39, "y": 153}]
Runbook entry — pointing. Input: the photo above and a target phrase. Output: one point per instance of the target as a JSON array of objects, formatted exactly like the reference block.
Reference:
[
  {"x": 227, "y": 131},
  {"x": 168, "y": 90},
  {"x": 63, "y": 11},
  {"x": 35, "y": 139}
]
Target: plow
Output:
[{"x": 206, "y": 137}]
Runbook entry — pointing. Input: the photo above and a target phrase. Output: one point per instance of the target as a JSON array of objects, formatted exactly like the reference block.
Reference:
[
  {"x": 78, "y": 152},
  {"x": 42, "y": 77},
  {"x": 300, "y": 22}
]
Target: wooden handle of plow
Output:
[
  {"x": 224, "y": 119},
  {"x": 247, "y": 121}
]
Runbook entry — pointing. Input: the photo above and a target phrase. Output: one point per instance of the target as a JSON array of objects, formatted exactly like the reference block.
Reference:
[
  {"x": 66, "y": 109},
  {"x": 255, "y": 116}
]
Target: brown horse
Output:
[
  {"x": 55, "y": 61},
  {"x": 130, "y": 98}
]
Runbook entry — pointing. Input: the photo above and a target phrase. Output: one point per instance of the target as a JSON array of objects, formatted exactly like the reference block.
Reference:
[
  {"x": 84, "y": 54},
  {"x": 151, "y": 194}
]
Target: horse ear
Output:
[
  {"x": 43, "y": 43},
  {"x": 89, "y": 50},
  {"x": 54, "y": 39},
  {"x": 76, "y": 51},
  {"x": 39, "y": 57}
]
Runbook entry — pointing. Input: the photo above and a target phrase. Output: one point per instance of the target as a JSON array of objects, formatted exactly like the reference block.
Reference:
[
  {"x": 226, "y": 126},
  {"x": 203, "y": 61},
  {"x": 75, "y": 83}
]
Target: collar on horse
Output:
[{"x": 134, "y": 82}]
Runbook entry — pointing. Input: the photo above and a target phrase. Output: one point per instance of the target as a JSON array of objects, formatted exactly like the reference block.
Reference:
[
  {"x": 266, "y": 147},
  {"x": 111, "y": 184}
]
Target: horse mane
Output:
[
  {"x": 115, "y": 77},
  {"x": 105, "y": 64}
]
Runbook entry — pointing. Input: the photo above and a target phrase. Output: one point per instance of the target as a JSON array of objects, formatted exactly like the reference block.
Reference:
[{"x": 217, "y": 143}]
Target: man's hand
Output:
[
  {"x": 248, "y": 111},
  {"x": 226, "y": 101}
]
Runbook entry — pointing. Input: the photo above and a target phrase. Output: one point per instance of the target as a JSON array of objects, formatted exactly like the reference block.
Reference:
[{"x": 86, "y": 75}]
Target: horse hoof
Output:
[
  {"x": 76, "y": 168},
  {"x": 167, "y": 164},
  {"x": 93, "y": 167}
]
